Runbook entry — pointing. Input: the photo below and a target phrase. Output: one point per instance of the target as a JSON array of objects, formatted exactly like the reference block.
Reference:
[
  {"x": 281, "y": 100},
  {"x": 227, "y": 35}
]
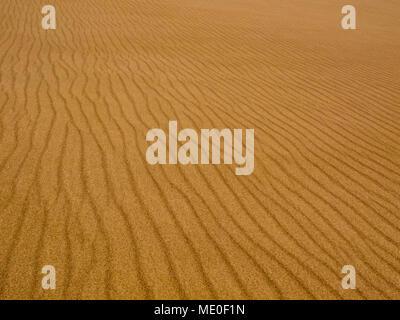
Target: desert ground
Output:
[{"x": 77, "y": 193}]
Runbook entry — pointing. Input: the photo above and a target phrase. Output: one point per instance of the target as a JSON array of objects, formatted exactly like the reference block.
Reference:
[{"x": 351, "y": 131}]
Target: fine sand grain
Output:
[{"x": 77, "y": 193}]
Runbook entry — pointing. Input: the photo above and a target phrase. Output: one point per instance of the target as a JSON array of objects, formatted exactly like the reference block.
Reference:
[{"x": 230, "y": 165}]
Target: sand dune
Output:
[{"x": 77, "y": 193}]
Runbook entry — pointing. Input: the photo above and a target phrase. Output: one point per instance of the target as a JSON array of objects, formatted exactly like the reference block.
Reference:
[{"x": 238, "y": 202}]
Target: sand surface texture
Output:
[{"x": 77, "y": 193}]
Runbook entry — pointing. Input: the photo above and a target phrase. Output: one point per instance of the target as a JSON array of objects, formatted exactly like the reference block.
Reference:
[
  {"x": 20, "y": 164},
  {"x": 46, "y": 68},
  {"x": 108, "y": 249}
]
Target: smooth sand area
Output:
[{"x": 77, "y": 193}]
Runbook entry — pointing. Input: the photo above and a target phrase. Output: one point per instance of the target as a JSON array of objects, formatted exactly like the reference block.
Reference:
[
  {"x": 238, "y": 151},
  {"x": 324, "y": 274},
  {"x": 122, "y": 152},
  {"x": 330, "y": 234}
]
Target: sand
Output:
[{"x": 77, "y": 193}]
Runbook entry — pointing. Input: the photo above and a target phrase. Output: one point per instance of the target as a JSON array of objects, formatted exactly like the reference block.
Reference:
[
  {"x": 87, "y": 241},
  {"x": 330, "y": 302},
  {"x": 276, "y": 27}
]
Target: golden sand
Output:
[{"x": 77, "y": 193}]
